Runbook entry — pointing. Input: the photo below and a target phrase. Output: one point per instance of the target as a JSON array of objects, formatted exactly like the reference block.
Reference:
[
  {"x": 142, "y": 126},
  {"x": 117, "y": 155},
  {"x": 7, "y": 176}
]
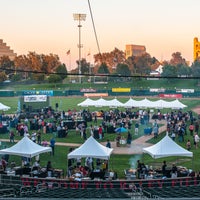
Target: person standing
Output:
[
  {"x": 164, "y": 166},
  {"x": 136, "y": 128},
  {"x": 174, "y": 171},
  {"x": 12, "y": 136},
  {"x": 155, "y": 131},
  {"x": 196, "y": 140},
  {"x": 108, "y": 144},
  {"x": 139, "y": 169},
  {"x": 188, "y": 145},
  {"x": 52, "y": 145},
  {"x": 129, "y": 139},
  {"x": 39, "y": 137},
  {"x": 100, "y": 131},
  {"x": 191, "y": 128},
  {"x": 49, "y": 169}
]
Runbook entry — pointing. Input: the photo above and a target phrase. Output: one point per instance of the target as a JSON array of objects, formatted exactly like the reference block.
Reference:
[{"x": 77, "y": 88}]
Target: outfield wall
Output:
[{"x": 133, "y": 92}]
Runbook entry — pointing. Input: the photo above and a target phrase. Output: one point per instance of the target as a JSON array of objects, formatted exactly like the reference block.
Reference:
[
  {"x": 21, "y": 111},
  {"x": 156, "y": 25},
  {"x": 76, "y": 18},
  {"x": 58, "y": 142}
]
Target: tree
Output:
[
  {"x": 169, "y": 71},
  {"x": 123, "y": 70},
  {"x": 54, "y": 78},
  {"x": 103, "y": 69},
  {"x": 7, "y": 65},
  {"x": 177, "y": 59},
  {"x": 143, "y": 64},
  {"x": 62, "y": 71},
  {"x": 195, "y": 68},
  {"x": 111, "y": 59},
  {"x": 22, "y": 67},
  {"x": 49, "y": 63},
  {"x": 183, "y": 70},
  {"x": 3, "y": 76}
]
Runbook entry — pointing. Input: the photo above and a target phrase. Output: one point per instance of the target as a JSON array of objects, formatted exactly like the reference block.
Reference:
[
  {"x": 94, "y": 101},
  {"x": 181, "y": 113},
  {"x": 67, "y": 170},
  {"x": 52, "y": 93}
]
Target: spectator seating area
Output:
[{"x": 173, "y": 192}]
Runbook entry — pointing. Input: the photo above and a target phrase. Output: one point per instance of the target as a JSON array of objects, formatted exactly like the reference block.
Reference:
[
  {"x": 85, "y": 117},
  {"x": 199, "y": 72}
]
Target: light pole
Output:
[{"x": 79, "y": 17}]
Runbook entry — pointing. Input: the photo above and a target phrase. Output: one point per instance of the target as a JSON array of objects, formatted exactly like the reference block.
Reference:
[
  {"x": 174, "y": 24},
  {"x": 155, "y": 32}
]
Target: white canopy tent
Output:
[
  {"x": 130, "y": 103},
  {"x": 177, "y": 104},
  {"x": 165, "y": 148},
  {"x": 91, "y": 148},
  {"x": 114, "y": 103},
  {"x": 4, "y": 107},
  {"x": 100, "y": 102},
  {"x": 87, "y": 102},
  {"x": 26, "y": 148}
]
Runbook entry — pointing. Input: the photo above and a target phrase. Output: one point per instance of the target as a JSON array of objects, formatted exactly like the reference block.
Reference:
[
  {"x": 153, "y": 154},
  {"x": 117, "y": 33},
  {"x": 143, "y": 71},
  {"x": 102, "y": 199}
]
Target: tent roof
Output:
[
  {"x": 165, "y": 148},
  {"x": 4, "y": 107},
  {"x": 91, "y": 148},
  {"x": 87, "y": 102},
  {"x": 25, "y": 147}
]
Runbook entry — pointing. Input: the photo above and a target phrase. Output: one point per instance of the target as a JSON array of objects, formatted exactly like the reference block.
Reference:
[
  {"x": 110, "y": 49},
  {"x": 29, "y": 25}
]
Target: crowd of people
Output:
[{"x": 129, "y": 119}]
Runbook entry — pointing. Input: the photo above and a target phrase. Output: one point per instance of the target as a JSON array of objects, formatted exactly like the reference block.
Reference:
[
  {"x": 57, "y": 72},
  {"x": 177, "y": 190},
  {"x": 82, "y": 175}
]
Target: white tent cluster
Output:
[{"x": 144, "y": 103}]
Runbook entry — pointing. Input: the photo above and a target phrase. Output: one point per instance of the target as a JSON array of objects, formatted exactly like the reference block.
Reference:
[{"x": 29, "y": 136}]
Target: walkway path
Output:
[{"x": 136, "y": 147}]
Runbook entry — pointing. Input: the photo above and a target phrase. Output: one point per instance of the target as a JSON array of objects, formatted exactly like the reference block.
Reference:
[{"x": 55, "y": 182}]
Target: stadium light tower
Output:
[{"x": 79, "y": 17}]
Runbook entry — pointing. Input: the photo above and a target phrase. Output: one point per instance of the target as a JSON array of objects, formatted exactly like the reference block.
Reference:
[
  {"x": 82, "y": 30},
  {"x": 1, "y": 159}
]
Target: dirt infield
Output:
[{"x": 196, "y": 110}]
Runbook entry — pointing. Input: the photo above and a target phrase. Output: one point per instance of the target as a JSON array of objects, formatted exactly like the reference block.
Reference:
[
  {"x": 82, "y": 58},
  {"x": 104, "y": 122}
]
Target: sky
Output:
[{"x": 47, "y": 26}]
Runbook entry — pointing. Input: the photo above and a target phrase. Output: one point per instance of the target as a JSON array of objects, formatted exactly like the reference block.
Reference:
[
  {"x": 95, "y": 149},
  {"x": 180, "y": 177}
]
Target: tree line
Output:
[{"x": 42, "y": 67}]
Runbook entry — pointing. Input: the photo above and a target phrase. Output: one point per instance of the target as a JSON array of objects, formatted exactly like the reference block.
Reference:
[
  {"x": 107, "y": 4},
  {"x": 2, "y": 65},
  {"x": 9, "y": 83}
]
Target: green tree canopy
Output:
[
  {"x": 196, "y": 68},
  {"x": 103, "y": 69},
  {"x": 62, "y": 71},
  {"x": 169, "y": 71}
]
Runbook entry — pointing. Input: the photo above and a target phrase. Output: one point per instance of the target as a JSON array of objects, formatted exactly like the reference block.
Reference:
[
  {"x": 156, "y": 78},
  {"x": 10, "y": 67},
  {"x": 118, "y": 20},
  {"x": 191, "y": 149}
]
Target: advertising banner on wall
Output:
[
  {"x": 38, "y": 92},
  {"x": 35, "y": 98},
  {"x": 185, "y": 90},
  {"x": 95, "y": 94},
  {"x": 175, "y": 96},
  {"x": 121, "y": 89}
]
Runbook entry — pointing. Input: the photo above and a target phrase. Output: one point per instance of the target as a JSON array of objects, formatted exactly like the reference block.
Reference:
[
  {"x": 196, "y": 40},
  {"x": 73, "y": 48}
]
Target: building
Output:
[
  {"x": 196, "y": 48},
  {"x": 134, "y": 50},
  {"x": 6, "y": 51}
]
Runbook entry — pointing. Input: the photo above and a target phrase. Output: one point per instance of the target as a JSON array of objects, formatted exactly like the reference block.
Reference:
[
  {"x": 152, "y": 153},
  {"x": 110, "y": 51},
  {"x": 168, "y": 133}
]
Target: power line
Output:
[
  {"x": 94, "y": 27},
  {"x": 101, "y": 75}
]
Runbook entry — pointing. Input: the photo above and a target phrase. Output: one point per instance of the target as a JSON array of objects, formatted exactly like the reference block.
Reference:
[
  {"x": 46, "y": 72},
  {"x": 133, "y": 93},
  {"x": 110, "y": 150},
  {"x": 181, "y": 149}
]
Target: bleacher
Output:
[
  {"x": 70, "y": 193},
  {"x": 173, "y": 192}
]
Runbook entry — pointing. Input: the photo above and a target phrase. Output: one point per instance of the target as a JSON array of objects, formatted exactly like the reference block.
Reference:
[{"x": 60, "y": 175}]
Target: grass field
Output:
[{"x": 118, "y": 162}]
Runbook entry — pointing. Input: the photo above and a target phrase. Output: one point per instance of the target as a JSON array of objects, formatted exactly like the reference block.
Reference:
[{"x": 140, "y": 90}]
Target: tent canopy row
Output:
[{"x": 144, "y": 103}]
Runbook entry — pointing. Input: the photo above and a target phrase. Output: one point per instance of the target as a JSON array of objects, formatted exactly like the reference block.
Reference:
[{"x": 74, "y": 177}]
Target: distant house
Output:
[
  {"x": 154, "y": 73},
  {"x": 159, "y": 69}
]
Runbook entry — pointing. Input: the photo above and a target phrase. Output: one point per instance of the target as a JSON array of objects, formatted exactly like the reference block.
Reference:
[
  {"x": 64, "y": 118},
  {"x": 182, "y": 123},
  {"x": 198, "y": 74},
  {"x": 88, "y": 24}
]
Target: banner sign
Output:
[
  {"x": 35, "y": 98},
  {"x": 157, "y": 90},
  {"x": 185, "y": 90},
  {"x": 121, "y": 89},
  {"x": 87, "y": 90},
  {"x": 38, "y": 92},
  {"x": 175, "y": 96},
  {"x": 123, "y": 184},
  {"x": 95, "y": 94}
]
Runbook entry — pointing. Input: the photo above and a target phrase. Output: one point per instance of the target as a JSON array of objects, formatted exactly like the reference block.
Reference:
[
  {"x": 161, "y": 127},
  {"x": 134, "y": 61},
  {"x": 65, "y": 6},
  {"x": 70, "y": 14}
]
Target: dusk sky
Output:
[{"x": 47, "y": 26}]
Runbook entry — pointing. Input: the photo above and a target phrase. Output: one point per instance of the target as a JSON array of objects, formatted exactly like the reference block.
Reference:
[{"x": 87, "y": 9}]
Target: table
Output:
[
  {"x": 96, "y": 174},
  {"x": 148, "y": 131},
  {"x": 62, "y": 133},
  {"x": 71, "y": 124}
]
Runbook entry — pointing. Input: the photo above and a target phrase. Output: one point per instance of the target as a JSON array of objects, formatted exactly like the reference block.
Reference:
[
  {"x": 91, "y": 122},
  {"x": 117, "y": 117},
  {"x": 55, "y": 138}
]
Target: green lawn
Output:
[{"x": 117, "y": 162}]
